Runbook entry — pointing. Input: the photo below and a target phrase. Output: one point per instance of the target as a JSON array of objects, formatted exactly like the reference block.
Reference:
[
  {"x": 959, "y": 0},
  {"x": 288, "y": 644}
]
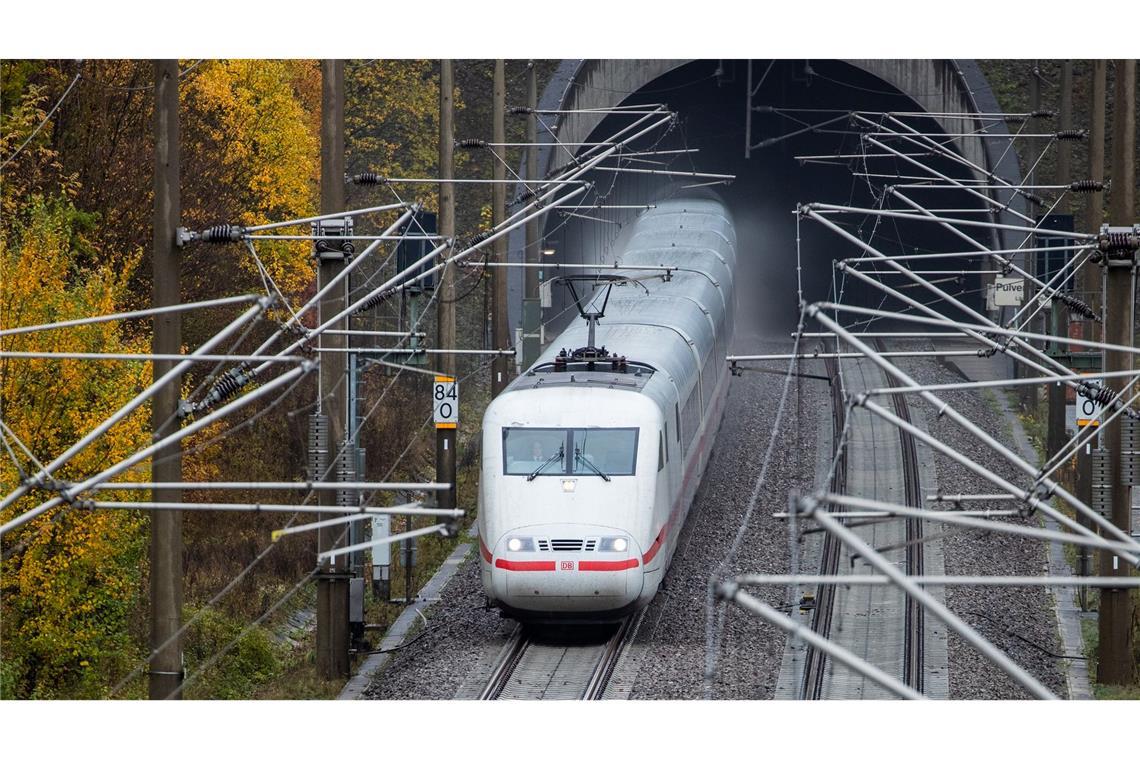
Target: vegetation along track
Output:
[{"x": 559, "y": 663}]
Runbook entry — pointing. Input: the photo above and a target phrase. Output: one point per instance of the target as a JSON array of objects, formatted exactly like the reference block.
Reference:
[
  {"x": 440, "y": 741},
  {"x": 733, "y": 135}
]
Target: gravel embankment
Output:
[
  {"x": 434, "y": 665},
  {"x": 1020, "y": 621},
  {"x": 749, "y": 651}
]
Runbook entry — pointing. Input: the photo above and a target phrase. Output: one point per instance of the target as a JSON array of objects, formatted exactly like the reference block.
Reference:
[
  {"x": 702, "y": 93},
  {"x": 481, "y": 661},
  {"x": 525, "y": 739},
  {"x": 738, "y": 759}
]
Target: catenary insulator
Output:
[
  {"x": 1071, "y": 134},
  {"x": 223, "y": 233},
  {"x": 1086, "y": 186},
  {"x": 369, "y": 178}
]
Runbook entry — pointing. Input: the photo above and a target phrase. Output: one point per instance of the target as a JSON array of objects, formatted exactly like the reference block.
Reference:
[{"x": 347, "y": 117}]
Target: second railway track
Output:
[
  {"x": 915, "y": 623},
  {"x": 912, "y": 667}
]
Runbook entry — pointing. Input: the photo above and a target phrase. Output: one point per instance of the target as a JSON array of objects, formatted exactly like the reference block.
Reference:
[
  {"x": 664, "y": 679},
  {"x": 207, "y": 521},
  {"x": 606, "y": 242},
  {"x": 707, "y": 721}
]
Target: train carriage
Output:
[{"x": 591, "y": 457}]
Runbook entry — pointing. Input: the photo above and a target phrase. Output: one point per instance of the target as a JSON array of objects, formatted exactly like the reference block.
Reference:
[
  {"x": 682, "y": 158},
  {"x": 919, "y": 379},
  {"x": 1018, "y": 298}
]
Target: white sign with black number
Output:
[{"x": 445, "y": 401}]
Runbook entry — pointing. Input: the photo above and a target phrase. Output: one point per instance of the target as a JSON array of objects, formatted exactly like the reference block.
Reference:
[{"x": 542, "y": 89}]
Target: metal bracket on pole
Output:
[
  {"x": 1117, "y": 246},
  {"x": 330, "y": 244}
]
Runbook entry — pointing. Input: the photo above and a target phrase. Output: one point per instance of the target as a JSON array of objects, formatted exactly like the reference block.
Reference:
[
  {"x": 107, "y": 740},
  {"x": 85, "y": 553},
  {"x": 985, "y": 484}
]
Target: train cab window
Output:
[
  {"x": 569, "y": 451},
  {"x": 609, "y": 450},
  {"x": 526, "y": 449}
]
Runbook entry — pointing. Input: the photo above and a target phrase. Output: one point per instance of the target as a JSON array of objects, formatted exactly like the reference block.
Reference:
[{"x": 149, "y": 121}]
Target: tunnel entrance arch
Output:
[{"x": 716, "y": 117}]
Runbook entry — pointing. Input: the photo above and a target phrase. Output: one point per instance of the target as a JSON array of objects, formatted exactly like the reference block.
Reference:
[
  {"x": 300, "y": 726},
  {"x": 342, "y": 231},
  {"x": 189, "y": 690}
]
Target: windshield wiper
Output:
[
  {"x": 544, "y": 465},
  {"x": 579, "y": 458}
]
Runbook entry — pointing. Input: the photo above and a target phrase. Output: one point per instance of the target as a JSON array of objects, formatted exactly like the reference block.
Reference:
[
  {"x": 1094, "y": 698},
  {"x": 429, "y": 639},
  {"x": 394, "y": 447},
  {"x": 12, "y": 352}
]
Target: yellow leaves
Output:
[
  {"x": 67, "y": 593},
  {"x": 262, "y": 133}
]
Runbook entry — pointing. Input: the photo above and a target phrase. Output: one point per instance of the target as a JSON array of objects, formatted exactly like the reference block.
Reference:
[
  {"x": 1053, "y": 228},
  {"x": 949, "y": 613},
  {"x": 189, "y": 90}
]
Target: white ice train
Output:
[{"x": 592, "y": 456}]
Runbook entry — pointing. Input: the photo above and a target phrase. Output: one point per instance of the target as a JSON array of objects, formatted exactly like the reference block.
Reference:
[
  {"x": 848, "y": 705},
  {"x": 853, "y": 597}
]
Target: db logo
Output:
[{"x": 567, "y": 565}]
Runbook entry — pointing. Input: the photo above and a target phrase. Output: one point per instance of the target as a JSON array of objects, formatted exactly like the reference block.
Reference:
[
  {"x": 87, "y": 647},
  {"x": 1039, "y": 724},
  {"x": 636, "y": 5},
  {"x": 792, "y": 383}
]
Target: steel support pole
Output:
[
  {"x": 332, "y": 583},
  {"x": 1115, "y": 664},
  {"x": 1055, "y": 432},
  {"x": 1094, "y": 202},
  {"x": 1028, "y": 395},
  {"x": 165, "y": 672},
  {"x": 500, "y": 338},
  {"x": 532, "y": 312},
  {"x": 445, "y": 325}
]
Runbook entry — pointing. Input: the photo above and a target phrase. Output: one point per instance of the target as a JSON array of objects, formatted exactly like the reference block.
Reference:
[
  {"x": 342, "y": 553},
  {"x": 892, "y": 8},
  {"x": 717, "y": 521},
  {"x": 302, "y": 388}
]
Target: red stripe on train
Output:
[
  {"x": 483, "y": 550},
  {"x": 506, "y": 564},
  {"x": 621, "y": 564}
]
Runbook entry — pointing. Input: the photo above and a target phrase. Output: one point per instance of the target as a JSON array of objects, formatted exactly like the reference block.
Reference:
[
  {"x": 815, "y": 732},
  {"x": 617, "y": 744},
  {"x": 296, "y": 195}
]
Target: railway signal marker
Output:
[{"x": 445, "y": 401}]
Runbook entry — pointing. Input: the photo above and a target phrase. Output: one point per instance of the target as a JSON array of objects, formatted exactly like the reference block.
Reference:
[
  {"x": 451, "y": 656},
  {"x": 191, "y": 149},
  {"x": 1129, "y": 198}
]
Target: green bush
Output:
[{"x": 250, "y": 662}]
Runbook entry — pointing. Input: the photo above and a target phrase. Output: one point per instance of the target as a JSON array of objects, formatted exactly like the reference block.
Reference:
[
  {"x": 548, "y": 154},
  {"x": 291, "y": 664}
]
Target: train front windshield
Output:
[{"x": 569, "y": 451}]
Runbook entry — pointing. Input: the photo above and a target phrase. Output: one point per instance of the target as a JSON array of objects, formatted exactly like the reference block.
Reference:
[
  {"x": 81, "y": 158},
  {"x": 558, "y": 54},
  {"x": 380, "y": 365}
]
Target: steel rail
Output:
[
  {"x": 324, "y": 217},
  {"x": 971, "y": 254},
  {"x": 954, "y": 156},
  {"x": 831, "y": 208},
  {"x": 344, "y": 237},
  {"x": 848, "y": 355},
  {"x": 1047, "y": 287},
  {"x": 979, "y": 336},
  {"x": 513, "y": 652},
  {"x": 940, "y": 580},
  {"x": 930, "y": 143},
  {"x": 851, "y": 515},
  {"x": 615, "y": 647},
  {"x": 815, "y": 662},
  {"x": 273, "y": 486},
  {"x": 131, "y": 314},
  {"x": 441, "y": 528},
  {"x": 914, "y": 622},
  {"x": 1011, "y": 383},
  {"x": 270, "y": 508},
  {"x": 1119, "y": 407},
  {"x": 126, "y": 357}
]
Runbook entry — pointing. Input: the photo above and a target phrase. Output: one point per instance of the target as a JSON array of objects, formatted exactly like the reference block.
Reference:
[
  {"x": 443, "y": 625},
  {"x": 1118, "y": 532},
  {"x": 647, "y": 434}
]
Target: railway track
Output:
[
  {"x": 913, "y": 660},
  {"x": 538, "y": 663},
  {"x": 915, "y": 616},
  {"x": 816, "y": 661}
]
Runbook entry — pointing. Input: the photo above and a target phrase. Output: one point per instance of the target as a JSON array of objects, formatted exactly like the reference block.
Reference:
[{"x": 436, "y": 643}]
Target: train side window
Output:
[
  {"x": 666, "y": 440},
  {"x": 660, "y": 452},
  {"x": 677, "y": 411}
]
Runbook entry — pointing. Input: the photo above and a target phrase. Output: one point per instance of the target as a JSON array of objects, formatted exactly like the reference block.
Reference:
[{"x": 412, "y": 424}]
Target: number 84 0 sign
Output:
[{"x": 445, "y": 401}]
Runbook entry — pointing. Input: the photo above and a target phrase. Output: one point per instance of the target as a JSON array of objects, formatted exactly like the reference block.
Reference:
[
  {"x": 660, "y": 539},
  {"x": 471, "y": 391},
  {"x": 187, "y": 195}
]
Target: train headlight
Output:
[
  {"x": 520, "y": 544},
  {"x": 613, "y": 544}
]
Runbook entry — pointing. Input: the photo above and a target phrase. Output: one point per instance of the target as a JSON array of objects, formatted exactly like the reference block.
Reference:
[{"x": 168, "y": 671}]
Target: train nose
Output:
[{"x": 567, "y": 569}]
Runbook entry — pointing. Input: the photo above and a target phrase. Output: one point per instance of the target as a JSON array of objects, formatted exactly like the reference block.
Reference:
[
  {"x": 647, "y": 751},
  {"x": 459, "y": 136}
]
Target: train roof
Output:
[{"x": 667, "y": 323}]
